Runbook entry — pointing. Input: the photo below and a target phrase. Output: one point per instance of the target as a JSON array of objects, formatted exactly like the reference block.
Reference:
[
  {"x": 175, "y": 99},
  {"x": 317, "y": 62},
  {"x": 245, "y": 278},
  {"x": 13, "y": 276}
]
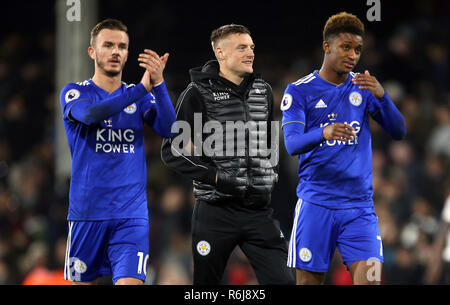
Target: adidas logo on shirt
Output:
[{"x": 321, "y": 104}]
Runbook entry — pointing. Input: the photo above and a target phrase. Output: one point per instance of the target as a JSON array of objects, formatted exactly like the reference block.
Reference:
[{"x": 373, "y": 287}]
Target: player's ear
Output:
[
  {"x": 219, "y": 53},
  {"x": 326, "y": 46},
  {"x": 91, "y": 52}
]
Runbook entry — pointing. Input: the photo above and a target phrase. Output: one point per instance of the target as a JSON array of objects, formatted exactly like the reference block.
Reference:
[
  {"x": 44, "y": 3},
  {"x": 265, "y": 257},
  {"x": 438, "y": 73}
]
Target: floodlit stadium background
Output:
[{"x": 408, "y": 51}]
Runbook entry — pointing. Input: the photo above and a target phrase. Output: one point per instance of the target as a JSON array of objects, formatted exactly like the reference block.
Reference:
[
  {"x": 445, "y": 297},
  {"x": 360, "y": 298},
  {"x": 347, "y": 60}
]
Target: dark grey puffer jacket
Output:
[{"x": 249, "y": 105}]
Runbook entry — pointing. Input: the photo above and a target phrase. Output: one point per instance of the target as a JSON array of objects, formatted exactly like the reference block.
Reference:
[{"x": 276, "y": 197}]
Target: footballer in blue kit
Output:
[
  {"x": 326, "y": 123},
  {"x": 104, "y": 122}
]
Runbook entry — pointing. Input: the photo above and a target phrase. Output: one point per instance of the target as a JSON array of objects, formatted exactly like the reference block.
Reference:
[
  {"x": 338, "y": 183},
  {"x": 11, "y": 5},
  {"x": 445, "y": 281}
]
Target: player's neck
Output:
[
  {"x": 331, "y": 76},
  {"x": 232, "y": 77},
  {"x": 106, "y": 82}
]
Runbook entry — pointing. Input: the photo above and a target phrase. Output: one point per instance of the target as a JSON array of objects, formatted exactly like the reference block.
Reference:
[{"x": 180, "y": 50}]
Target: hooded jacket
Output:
[{"x": 230, "y": 127}]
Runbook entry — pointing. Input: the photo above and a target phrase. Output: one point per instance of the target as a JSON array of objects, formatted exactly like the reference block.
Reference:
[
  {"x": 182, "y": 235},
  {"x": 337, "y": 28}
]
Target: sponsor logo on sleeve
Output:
[
  {"x": 286, "y": 102},
  {"x": 71, "y": 95}
]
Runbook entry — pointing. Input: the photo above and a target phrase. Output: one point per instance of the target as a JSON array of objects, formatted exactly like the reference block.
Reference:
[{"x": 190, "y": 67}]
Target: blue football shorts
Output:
[
  {"x": 317, "y": 231},
  {"x": 117, "y": 247}
]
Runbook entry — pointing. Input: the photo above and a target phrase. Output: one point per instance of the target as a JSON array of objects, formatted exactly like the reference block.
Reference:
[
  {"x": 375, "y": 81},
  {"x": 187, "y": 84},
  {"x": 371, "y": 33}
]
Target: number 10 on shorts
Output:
[{"x": 142, "y": 263}]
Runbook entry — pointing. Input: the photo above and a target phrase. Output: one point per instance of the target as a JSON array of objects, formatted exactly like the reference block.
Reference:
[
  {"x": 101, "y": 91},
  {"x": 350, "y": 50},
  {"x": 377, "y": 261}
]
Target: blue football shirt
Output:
[
  {"x": 335, "y": 174},
  {"x": 109, "y": 172}
]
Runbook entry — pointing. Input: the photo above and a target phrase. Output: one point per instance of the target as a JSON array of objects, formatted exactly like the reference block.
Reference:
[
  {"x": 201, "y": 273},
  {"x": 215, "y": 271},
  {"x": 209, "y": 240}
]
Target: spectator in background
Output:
[
  {"x": 439, "y": 139},
  {"x": 37, "y": 262},
  {"x": 438, "y": 271},
  {"x": 170, "y": 225},
  {"x": 15, "y": 126}
]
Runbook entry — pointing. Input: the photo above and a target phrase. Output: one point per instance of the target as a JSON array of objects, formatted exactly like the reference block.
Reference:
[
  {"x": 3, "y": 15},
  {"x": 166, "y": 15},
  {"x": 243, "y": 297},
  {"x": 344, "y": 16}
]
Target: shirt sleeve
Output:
[
  {"x": 70, "y": 95},
  {"x": 296, "y": 140},
  {"x": 158, "y": 111},
  {"x": 292, "y": 107},
  {"x": 385, "y": 113},
  {"x": 147, "y": 104},
  {"x": 77, "y": 105}
]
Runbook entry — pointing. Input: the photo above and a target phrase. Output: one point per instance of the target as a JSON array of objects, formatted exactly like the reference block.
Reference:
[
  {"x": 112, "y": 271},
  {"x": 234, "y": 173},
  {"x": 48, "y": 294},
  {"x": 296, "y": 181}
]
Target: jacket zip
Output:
[
  {"x": 247, "y": 147},
  {"x": 247, "y": 137}
]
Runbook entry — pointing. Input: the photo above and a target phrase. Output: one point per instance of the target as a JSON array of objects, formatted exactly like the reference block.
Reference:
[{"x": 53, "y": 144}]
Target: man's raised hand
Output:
[
  {"x": 369, "y": 82},
  {"x": 154, "y": 64}
]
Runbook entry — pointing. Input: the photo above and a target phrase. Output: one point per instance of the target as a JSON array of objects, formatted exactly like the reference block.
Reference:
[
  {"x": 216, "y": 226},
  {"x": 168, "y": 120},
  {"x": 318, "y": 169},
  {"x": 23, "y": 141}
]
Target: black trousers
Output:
[{"x": 218, "y": 228}]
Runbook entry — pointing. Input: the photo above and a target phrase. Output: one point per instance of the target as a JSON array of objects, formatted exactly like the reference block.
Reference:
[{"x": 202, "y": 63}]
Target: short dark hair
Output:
[
  {"x": 225, "y": 30},
  {"x": 343, "y": 23},
  {"x": 110, "y": 24}
]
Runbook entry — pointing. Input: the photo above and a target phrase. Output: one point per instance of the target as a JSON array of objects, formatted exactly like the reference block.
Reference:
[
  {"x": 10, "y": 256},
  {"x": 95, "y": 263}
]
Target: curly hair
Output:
[{"x": 343, "y": 23}]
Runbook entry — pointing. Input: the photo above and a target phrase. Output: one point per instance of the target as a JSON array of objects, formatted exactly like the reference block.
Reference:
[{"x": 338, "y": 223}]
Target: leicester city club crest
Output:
[
  {"x": 131, "y": 108},
  {"x": 355, "y": 98},
  {"x": 305, "y": 254},
  {"x": 203, "y": 247}
]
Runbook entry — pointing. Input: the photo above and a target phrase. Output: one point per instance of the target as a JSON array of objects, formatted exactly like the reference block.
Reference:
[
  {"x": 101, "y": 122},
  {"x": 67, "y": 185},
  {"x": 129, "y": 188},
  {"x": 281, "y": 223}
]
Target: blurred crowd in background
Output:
[{"x": 411, "y": 177}]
